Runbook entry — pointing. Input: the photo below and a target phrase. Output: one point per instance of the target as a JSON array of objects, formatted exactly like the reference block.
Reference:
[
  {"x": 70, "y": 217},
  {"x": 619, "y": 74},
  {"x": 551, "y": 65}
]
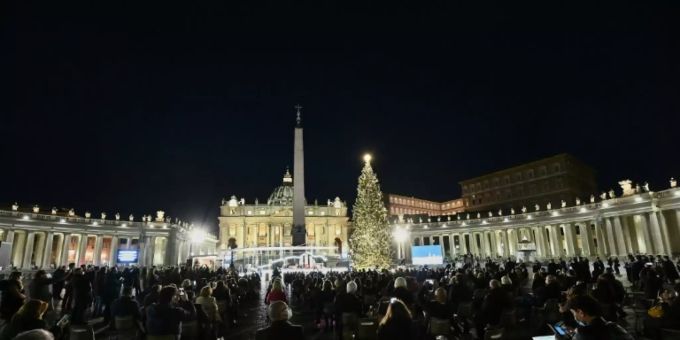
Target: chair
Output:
[
  {"x": 350, "y": 323},
  {"x": 508, "y": 318},
  {"x": 493, "y": 333},
  {"x": 190, "y": 330},
  {"x": 81, "y": 333},
  {"x": 439, "y": 327},
  {"x": 125, "y": 327},
  {"x": 160, "y": 337},
  {"x": 367, "y": 330},
  {"x": 670, "y": 334}
]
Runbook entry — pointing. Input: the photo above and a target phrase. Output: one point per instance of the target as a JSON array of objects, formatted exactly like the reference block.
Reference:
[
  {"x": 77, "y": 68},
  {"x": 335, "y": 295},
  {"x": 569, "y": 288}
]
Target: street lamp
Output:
[
  {"x": 195, "y": 236},
  {"x": 400, "y": 235}
]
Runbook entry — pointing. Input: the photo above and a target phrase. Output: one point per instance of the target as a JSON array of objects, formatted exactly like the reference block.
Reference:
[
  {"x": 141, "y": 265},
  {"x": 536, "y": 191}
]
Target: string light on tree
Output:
[{"x": 371, "y": 241}]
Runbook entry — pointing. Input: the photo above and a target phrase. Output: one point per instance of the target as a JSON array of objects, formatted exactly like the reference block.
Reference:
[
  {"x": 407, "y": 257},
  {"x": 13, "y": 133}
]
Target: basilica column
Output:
[
  {"x": 586, "y": 240},
  {"x": 664, "y": 233},
  {"x": 569, "y": 239},
  {"x": 601, "y": 239},
  {"x": 620, "y": 239},
  {"x": 643, "y": 229},
  {"x": 556, "y": 240},
  {"x": 64, "y": 249},
  {"x": 452, "y": 245},
  {"x": 97, "y": 253},
  {"x": 463, "y": 245},
  {"x": 486, "y": 252},
  {"x": 631, "y": 242},
  {"x": 81, "y": 251},
  {"x": 47, "y": 254},
  {"x": 28, "y": 249},
  {"x": 657, "y": 235},
  {"x": 504, "y": 243},
  {"x": 611, "y": 240},
  {"x": 114, "y": 250},
  {"x": 10, "y": 239}
]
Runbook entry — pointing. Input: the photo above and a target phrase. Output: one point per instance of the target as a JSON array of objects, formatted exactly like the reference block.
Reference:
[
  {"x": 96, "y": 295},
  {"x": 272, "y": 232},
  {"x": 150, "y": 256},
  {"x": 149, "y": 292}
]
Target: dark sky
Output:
[{"x": 144, "y": 107}]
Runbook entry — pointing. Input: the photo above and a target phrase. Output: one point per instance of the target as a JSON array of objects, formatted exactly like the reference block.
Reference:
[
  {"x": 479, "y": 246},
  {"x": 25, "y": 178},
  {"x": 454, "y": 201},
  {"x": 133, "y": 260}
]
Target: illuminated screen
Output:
[
  {"x": 128, "y": 256},
  {"x": 427, "y": 254}
]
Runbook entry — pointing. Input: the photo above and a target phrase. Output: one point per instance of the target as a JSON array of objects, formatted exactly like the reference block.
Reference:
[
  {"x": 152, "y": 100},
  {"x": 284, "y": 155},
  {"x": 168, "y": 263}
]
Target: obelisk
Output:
[{"x": 299, "y": 230}]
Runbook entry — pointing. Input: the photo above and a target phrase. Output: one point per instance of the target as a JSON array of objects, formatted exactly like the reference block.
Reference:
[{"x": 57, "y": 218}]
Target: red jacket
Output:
[{"x": 275, "y": 295}]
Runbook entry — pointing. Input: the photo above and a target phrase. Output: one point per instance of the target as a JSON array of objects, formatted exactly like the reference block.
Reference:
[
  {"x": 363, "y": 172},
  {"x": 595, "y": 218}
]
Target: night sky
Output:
[{"x": 144, "y": 107}]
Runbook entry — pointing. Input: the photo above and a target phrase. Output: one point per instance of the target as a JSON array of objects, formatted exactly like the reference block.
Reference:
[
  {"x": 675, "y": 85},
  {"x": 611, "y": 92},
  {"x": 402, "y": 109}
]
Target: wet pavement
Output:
[{"x": 253, "y": 316}]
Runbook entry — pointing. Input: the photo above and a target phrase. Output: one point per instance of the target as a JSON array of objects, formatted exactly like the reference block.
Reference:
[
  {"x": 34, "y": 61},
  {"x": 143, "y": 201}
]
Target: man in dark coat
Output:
[
  {"x": 492, "y": 308},
  {"x": 280, "y": 328}
]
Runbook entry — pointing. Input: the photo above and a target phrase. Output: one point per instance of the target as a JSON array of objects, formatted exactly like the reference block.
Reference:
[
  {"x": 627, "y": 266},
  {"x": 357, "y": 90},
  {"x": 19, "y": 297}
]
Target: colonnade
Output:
[
  {"x": 48, "y": 249},
  {"x": 646, "y": 223}
]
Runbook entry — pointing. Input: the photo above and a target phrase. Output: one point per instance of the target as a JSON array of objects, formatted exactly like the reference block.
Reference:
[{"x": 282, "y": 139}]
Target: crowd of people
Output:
[
  {"x": 474, "y": 297},
  {"x": 149, "y": 301},
  {"x": 469, "y": 298}
]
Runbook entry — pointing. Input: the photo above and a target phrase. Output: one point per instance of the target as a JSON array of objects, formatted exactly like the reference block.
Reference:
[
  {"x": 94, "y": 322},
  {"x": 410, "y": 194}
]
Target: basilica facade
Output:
[{"x": 270, "y": 224}]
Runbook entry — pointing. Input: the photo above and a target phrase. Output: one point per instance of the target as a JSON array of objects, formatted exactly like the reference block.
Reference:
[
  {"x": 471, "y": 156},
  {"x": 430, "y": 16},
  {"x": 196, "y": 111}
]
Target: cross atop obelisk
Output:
[{"x": 299, "y": 230}]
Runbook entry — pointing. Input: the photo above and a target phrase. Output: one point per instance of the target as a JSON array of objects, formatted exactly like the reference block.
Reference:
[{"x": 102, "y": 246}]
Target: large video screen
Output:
[
  {"x": 128, "y": 255},
  {"x": 427, "y": 255}
]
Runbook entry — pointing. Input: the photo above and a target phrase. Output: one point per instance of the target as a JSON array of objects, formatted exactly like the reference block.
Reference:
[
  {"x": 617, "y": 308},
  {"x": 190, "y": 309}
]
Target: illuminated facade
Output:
[
  {"x": 636, "y": 221},
  {"x": 47, "y": 239},
  {"x": 270, "y": 224},
  {"x": 405, "y": 205}
]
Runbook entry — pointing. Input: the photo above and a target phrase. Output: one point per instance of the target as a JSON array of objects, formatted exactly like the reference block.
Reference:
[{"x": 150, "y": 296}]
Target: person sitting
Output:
[
  {"x": 28, "y": 317},
  {"x": 166, "y": 316},
  {"x": 280, "y": 328},
  {"x": 665, "y": 314},
  {"x": 348, "y": 304},
  {"x": 401, "y": 291},
  {"x": 492, "y": 307},
  {"x": 396, "y": 324},
  {"x": 276, "y": 293},
  {"x": 12, "y": 296},
  {"x": 437, "y": 308},
  {"x": 591, "y": 324},
  {"x": 126, "y": 307}
]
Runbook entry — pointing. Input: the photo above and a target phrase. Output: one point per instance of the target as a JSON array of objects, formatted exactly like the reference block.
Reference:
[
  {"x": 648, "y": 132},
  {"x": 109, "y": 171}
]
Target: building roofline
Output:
[{"x": 523, "y": 165}]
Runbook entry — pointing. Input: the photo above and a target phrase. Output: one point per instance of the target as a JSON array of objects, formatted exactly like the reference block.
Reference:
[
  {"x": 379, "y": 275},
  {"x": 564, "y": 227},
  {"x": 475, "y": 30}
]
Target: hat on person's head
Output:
[{"x": 279, "y": 311}]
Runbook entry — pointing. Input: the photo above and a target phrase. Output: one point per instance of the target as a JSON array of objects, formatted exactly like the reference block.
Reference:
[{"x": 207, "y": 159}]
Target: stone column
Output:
[
  {"x": 143, "y": 251},
  {"x": 494, "y": 243},
  {"x": 643, "y": 228},
  {"x": 171, "y": 253},
  {"x": 28, "y": 249},
  {"x": 463, "y": 245},
  {"x": 664, "y": 233},
  {"x": 452, "y": 245},
  {"x": 620, "y": 239},
  {"x": 657, "y": 235},
  {"x": 80, "y": 257},
  {"x": 587, "y": 240},
  {"x": 64, "y": 249},
  {"x": 97, "y": 255},
  {"x": 504, "y": 241},
  {"x": 485, "y": 244},
  {"x": 151, "y": 250},
  {"x": 114, "y": 250},
  {"x": 556, "y": 240},
  {"x": 630, "y": 246},
  {"x": 47, "y": 254},
  {"x": 611, "y": 240},
  {"x": 570, "y": 239}
]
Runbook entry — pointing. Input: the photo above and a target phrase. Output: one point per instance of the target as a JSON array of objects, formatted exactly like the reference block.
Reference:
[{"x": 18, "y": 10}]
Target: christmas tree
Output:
[{"x": 371, "y": 240}]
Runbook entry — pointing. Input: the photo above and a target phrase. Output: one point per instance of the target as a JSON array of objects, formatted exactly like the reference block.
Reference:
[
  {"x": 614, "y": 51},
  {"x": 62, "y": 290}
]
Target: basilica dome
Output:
[{"x": 283, "y": 195}]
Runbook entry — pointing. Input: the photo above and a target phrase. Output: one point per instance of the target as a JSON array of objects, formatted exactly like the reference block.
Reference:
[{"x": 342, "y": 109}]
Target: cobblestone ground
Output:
[{"x": 254, "y": 316}]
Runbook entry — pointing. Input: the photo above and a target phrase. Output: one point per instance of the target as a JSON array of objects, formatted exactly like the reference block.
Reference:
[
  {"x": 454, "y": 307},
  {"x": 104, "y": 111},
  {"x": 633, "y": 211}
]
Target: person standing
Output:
[
  {"x": 12, "y": 296},
  {"x": 280, "y": 328}
]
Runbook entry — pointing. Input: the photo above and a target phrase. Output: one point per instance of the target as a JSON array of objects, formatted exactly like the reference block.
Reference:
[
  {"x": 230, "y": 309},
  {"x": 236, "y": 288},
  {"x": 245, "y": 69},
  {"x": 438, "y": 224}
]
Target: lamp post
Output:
[
  {"x": 196, "y": 236},
  {"x": 400, "y": 235}
]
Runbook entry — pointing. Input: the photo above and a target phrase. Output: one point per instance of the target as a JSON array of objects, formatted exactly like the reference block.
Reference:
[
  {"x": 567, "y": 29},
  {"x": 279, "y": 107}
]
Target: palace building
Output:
[
  {"x": 633, "y": 222},
  {"x": 405, "y": 205}
]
